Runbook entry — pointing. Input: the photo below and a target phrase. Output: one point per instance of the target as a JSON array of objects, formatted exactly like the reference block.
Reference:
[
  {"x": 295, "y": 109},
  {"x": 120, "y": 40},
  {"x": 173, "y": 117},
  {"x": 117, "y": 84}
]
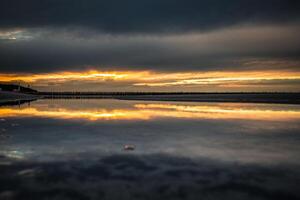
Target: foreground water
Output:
[{"x": 73, "y": 149}]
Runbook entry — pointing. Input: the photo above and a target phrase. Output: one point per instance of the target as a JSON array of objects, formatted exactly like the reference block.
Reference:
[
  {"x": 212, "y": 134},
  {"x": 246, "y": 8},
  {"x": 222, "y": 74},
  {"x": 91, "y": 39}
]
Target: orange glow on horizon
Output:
[
  {"x": 90, "y": 75},
  {"x": 157, "y": 79}
]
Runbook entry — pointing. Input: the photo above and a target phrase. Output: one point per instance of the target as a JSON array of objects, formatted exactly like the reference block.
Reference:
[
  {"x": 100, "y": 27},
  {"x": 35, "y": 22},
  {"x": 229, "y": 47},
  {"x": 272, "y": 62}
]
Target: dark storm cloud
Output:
[
  {"x": 51, "y": 35},
  {"x": 40, "y": 50},
  {"x": 138, "y": 16}
]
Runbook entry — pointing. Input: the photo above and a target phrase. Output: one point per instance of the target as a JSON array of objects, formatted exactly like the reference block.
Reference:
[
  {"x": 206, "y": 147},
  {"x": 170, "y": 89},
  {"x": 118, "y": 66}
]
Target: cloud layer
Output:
[
  {"x": 39, "y": 50},
  {"x": 136, "y": 16}
]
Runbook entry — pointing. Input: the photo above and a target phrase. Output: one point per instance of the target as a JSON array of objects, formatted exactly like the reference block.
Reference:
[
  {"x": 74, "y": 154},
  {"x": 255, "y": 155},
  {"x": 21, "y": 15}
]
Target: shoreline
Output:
[
  {"x": 278, "y": 98},
  {"x": 215, "y": 100},
  {"x": 11, "y": 98}
]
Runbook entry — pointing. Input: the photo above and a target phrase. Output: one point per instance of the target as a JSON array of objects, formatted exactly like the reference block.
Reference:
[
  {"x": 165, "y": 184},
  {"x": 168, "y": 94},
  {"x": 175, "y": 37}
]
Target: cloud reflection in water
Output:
[{"x": 148, "y": 110}]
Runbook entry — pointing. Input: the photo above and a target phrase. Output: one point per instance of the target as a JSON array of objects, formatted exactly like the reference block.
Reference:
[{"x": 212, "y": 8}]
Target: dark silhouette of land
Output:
[
  {"x": 16, "y": 88},
  {"x": 15, "y": 92},
  {"x": 292, "y": 98},
  {"x": 11, "y": 94}
]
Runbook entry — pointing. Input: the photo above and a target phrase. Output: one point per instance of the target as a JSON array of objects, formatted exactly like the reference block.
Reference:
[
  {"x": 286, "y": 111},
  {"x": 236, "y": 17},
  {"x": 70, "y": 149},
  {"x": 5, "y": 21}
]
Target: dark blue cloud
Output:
[
  {"x": 56, "y": 49},
  {"x": 145, "y": 16},
  {"x": 147, "y": 34}
]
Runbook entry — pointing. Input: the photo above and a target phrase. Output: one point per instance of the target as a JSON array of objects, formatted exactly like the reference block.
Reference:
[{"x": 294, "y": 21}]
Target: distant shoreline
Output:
[
  {"x": 280, "y": 98},
  {"x": 284, "y": 98},
  {"x": 215, "y": 99}
]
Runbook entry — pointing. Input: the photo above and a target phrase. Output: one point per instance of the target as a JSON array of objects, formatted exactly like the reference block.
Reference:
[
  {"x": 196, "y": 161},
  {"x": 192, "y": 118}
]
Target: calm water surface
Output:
[{"x": 183, "y": 150}]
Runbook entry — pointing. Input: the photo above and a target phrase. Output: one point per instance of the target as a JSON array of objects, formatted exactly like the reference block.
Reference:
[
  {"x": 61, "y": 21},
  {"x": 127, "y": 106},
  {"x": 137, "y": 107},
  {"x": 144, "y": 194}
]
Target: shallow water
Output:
[{"x": 251, "y": 150}]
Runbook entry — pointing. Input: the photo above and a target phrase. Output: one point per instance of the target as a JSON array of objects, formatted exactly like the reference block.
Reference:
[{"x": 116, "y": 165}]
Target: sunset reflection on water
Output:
[{"x": 132, "y": 110}]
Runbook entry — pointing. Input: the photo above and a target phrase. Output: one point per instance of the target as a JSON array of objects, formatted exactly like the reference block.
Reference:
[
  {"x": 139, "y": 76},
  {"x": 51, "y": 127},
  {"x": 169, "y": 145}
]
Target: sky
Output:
[{"x": 151, "y": 45}]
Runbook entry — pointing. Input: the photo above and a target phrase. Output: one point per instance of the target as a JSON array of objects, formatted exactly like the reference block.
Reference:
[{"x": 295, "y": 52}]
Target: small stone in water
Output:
[{"x": 129, "y": 147}]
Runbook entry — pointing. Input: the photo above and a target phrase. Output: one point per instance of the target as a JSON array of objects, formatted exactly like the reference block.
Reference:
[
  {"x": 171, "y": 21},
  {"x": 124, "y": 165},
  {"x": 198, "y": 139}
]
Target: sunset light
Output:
[
  {"x": 159, "y": 110},
  {"x": 152, "y": 79}
]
